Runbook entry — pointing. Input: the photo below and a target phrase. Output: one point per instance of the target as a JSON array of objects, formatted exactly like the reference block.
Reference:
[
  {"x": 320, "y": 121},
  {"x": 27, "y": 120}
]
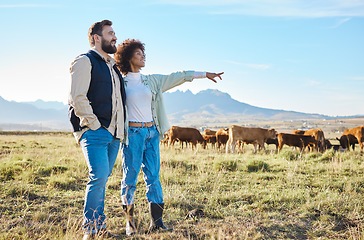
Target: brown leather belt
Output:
[{"x": 141, "y": 124}]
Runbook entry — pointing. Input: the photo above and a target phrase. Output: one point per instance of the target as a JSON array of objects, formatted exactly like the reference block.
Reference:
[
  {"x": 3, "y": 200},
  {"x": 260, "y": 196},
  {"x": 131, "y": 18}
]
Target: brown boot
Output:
[
  {"x": 130, "y": 226},
  {"x": 156, "y": 213}
]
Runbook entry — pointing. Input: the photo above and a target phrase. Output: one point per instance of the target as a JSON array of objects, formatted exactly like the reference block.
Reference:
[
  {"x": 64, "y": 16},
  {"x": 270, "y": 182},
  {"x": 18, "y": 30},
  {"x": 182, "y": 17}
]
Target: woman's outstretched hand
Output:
[{"x": 212, "y": 76}]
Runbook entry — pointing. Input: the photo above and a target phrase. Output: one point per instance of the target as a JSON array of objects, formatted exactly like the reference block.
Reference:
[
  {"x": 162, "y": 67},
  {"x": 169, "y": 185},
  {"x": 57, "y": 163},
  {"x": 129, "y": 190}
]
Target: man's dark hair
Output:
[
  {"x": 125, "y": 52},
  {"x": 96, "y": 28}
]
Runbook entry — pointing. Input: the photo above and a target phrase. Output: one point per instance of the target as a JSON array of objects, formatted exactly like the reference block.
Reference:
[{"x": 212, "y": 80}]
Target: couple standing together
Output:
[{"x": 111, "y": 104}]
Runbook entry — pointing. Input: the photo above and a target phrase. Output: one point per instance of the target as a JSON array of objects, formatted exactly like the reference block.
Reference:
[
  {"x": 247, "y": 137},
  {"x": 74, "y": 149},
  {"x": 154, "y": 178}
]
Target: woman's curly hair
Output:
[{"x": 125, "y": 52}]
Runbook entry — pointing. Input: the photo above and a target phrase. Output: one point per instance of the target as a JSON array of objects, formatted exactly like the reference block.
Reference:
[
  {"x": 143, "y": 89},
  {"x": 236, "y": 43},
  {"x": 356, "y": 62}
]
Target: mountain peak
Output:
[
  {"x": 214, "y": 92},
  {"x": 41, "y": 104}
]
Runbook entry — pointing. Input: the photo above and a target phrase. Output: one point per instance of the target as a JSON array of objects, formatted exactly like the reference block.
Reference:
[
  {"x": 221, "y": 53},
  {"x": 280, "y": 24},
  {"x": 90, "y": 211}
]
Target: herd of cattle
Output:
[{"x": 238, "y": 135}]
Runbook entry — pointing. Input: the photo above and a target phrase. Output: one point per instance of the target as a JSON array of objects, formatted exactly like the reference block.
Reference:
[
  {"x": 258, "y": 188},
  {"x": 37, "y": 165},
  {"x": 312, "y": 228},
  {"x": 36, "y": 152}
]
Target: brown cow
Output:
[
  {"x": 165, "y": 140},
  {"x": 318, "y": 134},
  {"x": 209, "y": 132},
  {"x": 222, "y": 136},
  {"x": 352, "y": 136},
  {"x": 272, "y": 141},
  {"x": 186, "y": 134},
  {"x": 210, "y": 136},
  {"x": 328, "y": 145},
  {"x": 248, "y": 134},
  {"x": 210, "y": 139},
  {"x": 294, "y": 140},
  {"x": 240, "y": 144},
  {"x": 296, "y": 131}
]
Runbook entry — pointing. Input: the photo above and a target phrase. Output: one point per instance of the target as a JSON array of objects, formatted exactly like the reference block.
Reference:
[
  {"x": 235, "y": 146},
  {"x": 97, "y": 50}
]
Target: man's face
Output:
[{"x": 108, "y": 40}]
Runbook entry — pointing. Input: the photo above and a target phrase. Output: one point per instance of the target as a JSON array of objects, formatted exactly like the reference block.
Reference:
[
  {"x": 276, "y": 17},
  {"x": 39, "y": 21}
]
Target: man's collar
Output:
[{"x": 109, "y": 58}]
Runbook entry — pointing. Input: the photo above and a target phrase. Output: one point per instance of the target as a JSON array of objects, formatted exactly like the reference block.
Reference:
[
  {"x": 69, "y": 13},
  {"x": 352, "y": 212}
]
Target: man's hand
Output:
[{"x": 212, "y": 76}]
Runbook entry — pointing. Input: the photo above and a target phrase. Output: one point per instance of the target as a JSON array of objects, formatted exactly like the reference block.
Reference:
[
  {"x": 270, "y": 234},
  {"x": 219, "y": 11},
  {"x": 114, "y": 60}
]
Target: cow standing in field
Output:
[
  {"x": 186, "y": 134},
  {"x": 296, "y": 131},
  {"x": 295, "y": 140},
  {"x": 240, "y": 144},
  {"x": 255, "y": 135},
  {"x": 352, "y": 136},
  {"x": 328, "y": 145},
  {"x": 318, "y": 134},
  {"x": 222, "y": 136},
  {"x": 209, "y": 132},
  {"x": 165, "y": 140},
  {"x": 209, "y": 136},
  {"x": 210, "y": 139},
  {"x": 272, "y": 141}
]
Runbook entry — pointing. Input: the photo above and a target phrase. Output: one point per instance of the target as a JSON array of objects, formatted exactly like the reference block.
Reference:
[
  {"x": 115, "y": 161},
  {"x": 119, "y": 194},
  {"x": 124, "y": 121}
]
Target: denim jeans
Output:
[
  {"x": 142, "y": 152},
  {"x": 100, "y": 149}
]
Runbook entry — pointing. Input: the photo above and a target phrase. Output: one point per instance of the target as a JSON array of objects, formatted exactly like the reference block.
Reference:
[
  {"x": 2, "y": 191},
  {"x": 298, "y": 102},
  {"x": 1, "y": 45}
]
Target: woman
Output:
[{"x": 146, "y": 123}]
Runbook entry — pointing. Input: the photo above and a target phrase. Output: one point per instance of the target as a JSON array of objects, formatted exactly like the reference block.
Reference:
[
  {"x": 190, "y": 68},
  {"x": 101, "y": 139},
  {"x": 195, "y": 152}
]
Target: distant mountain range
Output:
[
  {"x": 183, "y": 108},
  {"x": 215, "y": 106},
  {"x": 28, "y": 116}
]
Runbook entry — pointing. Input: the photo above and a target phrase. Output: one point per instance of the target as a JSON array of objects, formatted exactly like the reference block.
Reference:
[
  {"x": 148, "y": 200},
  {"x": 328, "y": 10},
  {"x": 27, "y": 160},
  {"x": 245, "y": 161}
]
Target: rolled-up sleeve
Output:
[{"x": 80, "y": 83}]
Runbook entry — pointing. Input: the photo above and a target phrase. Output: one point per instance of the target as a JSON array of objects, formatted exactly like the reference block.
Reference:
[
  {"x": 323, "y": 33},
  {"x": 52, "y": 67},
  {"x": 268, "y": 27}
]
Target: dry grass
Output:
[{"x": 243, "y": 196}]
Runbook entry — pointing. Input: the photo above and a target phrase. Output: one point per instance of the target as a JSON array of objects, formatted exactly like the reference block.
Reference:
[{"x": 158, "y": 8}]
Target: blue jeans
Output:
[
  {"x": 142, "y": 152},
  {"x": 100, "y": 149}
]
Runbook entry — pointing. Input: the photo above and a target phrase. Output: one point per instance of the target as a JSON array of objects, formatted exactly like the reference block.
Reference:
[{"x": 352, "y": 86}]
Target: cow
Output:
[
  {"x": 209, "y": 132},
  {"x": 328, "y": 145},
  {"x": 210, "y": 136},
  {"x": 248, "y": 134},
  {"x": 348, "y": 140},
  {"x": 295, "y": 140},
  {"x": 318, "y": 134},
  {"x": 241, "y": 143},
  {"x": 210, "y": 139},
  {"x": 352, "y": 136},
  {"x": 336, "y": 147},
  {"x": 296, "y": 131},
  {"x": 222, "y": 136},
  {"x": 165, "y": 140},
  {"x": 186, "y": 134},
  {"x": 272, "y": 141}
]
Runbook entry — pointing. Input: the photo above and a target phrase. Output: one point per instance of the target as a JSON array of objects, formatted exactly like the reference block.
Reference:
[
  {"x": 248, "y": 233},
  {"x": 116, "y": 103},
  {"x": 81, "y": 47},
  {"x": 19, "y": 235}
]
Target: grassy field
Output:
[{"x": 243, "y": 196}]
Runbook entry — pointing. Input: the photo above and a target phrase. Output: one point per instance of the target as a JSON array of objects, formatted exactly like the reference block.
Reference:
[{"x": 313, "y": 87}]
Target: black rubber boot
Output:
[
  {"x": 130, "y": 226},
  {"x": 156, "y": 213}
]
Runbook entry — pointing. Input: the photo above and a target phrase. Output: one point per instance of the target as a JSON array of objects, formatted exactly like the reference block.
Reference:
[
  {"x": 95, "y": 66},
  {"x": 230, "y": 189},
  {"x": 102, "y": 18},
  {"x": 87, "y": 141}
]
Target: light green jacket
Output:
[{"x": 158, "y": 84}]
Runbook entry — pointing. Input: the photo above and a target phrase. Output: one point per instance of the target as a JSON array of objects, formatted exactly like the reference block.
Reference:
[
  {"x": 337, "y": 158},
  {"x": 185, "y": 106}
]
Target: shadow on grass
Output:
[{"x": 284, "y": 231}]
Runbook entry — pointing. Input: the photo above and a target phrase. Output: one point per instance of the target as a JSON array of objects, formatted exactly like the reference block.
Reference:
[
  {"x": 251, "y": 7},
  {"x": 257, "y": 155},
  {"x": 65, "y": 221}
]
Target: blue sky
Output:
[{"x": 301, "y": 55}]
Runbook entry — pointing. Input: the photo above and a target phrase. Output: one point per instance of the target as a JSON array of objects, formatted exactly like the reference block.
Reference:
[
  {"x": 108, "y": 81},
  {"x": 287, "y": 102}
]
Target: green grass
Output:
[{"x": 244, "y": 196}]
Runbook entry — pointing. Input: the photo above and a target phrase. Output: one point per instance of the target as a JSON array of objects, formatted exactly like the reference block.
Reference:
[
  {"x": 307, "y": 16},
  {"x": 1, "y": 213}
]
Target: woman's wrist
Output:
[{"x": 199, "y": 74}]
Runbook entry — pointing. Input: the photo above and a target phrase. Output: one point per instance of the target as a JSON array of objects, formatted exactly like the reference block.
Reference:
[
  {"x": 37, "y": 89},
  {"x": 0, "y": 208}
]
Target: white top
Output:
[{"x": 139, "y": 97}]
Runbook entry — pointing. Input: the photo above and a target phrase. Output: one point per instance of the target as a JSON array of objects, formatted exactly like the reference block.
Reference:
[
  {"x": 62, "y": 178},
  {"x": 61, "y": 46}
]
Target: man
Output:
[{"x": 97, "y": 115}]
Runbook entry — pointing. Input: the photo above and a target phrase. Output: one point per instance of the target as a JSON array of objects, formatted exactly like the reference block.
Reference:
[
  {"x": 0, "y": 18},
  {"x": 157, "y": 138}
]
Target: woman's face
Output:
[{"x": 138, "y": 59}]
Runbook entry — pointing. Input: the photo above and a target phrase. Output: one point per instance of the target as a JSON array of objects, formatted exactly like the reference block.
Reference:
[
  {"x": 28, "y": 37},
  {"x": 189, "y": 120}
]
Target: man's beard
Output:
[{"x": 107, "y": 47}]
